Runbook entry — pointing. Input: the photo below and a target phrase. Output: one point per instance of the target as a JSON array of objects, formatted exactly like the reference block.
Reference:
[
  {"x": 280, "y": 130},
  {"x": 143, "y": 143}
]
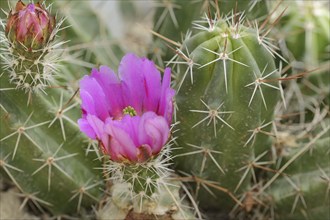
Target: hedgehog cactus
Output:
[
  {"x": 245, "y": 151},
  {"x": 226, "y": 98},
  {"x": 176, "y": 16},
  {"x": 42, "y": 153},
  {"x": 130, "y": 120}
]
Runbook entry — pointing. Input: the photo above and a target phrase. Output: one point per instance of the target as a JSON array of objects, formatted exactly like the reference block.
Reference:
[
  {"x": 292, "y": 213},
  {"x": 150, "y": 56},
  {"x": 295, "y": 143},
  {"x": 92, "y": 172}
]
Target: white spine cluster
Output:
[{"x": 143, "y": 181}]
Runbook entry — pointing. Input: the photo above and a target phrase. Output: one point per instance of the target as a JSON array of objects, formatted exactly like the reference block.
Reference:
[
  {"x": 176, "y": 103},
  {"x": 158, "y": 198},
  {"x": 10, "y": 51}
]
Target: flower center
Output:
[{"x": 129, "y": 110}]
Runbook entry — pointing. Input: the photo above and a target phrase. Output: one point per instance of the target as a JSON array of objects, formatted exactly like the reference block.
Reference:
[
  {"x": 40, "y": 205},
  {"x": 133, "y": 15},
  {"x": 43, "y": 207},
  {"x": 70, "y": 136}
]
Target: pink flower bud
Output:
[{"x": 30, "y": 25}]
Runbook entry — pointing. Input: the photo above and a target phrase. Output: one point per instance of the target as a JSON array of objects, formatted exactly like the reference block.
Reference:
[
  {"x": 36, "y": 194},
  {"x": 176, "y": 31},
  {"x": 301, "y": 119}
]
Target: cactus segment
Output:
[
  {"x": 145, "y": 190},
  {"x": 303, "y": 190},
  {"x": 44, "y": 153},
  {"x": 232, "y": 93},
  {"x": 305, "y": 40},
  {"x": 306, "y": 33}
]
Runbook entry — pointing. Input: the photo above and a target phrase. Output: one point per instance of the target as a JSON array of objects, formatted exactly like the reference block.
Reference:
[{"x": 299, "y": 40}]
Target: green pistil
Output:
[{"x": 129, "y": 110}]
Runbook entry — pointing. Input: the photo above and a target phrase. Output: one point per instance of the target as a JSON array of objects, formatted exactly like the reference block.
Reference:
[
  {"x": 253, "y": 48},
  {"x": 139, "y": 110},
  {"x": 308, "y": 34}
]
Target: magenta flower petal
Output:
[
  {"x": 30, "y": 8},
  {"x": 135, "y": 137},
  {"x": 97, "y": 125},
  {"x": 167, "y": 94},
  {"x": 130, "y": 73},
  {"x": 30, "y": 20},
  {"x": 43, "y": 20},
  {"x": 152, "y": 86},
  {"x": 168, "y": 114},
  {"x": 157, "y": 131},
  {"x": 121, "y": 144},
  {"x": 90, "y": 86},
  {"x": 88, "y": 104},
  {"x": 93, "y": 127},
  {"x": 86, "y": 128},
  {"x": 111, "y": 87}
]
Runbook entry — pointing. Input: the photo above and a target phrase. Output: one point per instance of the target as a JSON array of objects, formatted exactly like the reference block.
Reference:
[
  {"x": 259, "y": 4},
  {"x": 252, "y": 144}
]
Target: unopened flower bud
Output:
[{"x": 30, "y": 25}]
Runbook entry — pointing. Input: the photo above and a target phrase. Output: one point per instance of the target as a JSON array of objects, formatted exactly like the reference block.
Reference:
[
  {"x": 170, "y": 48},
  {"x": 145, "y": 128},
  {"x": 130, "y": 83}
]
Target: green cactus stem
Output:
[
  {"x": 304, "y": 188},
  {"x": 226, "y": 98},
  {"x": 146, "y": 190},
  {"x": 174, "y": 18},
  {"x": 42, "y": 150},
  {"x": 306, "y": 33}
]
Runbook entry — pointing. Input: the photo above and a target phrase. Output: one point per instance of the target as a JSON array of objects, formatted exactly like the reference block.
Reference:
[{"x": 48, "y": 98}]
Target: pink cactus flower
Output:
[{"x": 129, "y": 113}]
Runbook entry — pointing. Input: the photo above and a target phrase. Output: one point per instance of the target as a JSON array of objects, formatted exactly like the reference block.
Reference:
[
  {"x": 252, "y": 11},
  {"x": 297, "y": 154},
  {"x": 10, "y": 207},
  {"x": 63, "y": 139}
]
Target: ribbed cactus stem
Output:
[
  {"x": 304, "y": 187},
  {"x": 38, "y": 158},
  {"x": 145, "y": 190},
  {"x": 306, "y": 33},
  {"x": 143, "y": 178},
  {"x": 226, "y": 111}
]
